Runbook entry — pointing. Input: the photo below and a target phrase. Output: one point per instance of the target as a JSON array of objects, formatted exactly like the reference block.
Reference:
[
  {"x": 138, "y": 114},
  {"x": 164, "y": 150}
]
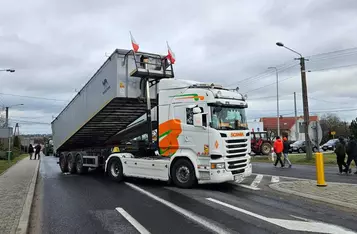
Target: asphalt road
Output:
[
  {"x": 93, "y": 204},
  {"x": 304, "y": 172}
]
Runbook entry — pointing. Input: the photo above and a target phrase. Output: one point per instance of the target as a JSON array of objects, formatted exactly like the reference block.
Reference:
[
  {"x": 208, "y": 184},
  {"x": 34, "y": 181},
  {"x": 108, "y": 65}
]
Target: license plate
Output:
[{"x": 236, "y": 177}]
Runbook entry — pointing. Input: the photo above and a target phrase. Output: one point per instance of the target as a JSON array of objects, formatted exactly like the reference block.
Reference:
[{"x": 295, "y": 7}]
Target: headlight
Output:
[{"x": 217, "y": 165}]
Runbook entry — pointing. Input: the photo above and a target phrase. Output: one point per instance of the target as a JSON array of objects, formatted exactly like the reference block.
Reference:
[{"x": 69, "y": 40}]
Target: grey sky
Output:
[{"x": 56, "y": 46}]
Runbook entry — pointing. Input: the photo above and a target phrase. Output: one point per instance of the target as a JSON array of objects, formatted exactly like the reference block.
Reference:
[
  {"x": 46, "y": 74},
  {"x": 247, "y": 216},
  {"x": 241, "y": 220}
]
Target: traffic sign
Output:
[
  {"x": 333, "y": 133},
  {"x": 315, "y": 133}
]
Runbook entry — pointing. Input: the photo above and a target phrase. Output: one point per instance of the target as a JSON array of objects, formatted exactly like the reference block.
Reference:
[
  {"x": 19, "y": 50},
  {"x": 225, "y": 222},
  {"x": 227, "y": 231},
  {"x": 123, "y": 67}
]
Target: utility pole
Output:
[
  {"x": 306, "y": 108},
  {"x": 296, "y": 119},
  {"x": 6, "y": 117},
  {"x": 304, "y": 99},
  {"x": 277, "y": 101}
]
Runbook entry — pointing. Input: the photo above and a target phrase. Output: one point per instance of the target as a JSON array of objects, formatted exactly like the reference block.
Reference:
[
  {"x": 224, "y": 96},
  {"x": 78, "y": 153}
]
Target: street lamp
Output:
[
  {"x": 277, "y": 98},
  {"x": 7, "y": 126},
  {"x": 304, "y": 99},
  {"x": 7, "y": 70}
]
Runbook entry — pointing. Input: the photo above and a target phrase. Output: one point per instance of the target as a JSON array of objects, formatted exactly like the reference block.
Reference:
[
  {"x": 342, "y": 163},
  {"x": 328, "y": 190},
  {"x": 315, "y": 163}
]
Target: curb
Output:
[
  {"x": 317, "y": 198},
  {"x": 23, "y": 225}
]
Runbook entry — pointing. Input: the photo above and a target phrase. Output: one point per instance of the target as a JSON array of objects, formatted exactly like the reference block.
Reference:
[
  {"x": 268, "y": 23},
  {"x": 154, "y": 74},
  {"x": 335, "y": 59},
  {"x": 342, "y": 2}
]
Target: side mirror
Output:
[
  {"x": 196, "y": 110},
  {"x": 200, "y": 120},
  {"x": 197, "y": 120}
]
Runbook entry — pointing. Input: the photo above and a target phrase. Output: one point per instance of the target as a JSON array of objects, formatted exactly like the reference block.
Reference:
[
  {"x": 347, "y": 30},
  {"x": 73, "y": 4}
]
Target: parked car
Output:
[
  {"x": 300, "y": 147},
  {"x": 330, "y": 145}
]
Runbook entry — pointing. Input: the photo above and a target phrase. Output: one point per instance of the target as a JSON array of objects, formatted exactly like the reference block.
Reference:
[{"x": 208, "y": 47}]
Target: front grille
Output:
[
  {"x": 238, "y": 171},
  {"x": 236, "y": 148},
  {"x": 237, "y": 164}
]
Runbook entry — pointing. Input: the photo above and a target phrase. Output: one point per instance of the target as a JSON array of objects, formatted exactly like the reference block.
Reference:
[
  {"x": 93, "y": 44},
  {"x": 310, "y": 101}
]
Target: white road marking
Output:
[
  {"x": 193, "y": 217},
  {"x": 256, "y": 181},
  {"x": 275, "y": 179},
  {"x": 133, "y": 221},
  {"x": 284, "y": 177},
  {"x": 294, "y": 225},
  {"x": 247, "y": 186}
]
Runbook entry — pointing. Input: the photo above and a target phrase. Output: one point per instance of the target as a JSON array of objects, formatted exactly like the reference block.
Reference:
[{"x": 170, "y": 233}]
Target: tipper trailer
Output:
[{"x": 202, "y": 132}]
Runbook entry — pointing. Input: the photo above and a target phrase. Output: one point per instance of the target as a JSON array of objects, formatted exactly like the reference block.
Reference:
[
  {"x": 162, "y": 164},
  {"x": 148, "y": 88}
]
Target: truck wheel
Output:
[
  {"x": 79, "y": 165},
  {"x": 183, "y": 174},
  {"x": 71, "y": 164},
  {"x": 63, "y": 163},
  {"x": 265, "y": 148},
  {"x": 115, "y": 169}
]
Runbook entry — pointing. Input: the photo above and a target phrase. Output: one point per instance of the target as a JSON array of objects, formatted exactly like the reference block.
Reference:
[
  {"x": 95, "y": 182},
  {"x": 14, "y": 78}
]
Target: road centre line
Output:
[
  {"x": 133, "y": 221},
  {"x": 193, "y": 217},
  {"x": 294, "y": 225}
]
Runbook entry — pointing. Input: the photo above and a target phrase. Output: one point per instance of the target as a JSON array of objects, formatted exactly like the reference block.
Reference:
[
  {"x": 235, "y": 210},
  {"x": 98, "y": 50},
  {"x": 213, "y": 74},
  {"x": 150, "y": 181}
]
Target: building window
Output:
[{"x": 301, "y": 127}]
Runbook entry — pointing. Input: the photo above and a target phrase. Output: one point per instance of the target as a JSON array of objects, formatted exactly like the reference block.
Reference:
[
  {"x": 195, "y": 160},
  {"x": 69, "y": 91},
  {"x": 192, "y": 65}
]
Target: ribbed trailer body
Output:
[{"x": 112, "y": 99}]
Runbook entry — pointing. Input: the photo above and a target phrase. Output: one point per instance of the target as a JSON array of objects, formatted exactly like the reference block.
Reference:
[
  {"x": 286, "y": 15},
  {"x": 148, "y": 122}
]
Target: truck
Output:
[{"x": 200, "y": 130}]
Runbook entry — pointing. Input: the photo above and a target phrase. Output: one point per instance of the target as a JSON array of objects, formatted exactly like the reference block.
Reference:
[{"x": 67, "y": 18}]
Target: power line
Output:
[
  {"x": 249, "y": 91},
  {"x": 332, "y": 68},
  {"x": 34, "y": 97}
]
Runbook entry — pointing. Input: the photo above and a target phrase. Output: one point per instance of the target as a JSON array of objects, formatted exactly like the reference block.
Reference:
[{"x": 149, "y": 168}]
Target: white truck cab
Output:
[{"x": 203, "y": 136}]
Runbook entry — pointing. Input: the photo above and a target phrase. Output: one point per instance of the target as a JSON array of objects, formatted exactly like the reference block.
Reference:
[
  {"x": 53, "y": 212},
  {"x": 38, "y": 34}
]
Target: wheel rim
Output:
[
  {"x": 114, "y": 169},
  {"x": 70, "y": 162},
  {"x": 265, "y": 149},
  {"x": 62, "y": 162},
  {"x": 79, "y": 163},
  {"x": 183, "y": 174}
]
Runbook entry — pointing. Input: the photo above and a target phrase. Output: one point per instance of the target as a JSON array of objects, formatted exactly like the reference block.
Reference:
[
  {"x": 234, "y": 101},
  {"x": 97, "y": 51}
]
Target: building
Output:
[{"x": 287, "y": 126}]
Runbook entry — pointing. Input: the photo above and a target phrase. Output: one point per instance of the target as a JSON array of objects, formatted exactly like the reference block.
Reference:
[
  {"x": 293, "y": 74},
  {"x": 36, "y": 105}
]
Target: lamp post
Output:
[
  {"x": 277, "y": 99},
  {"x": 7, "y": 126},
  {"x": 304, "y": 99}
]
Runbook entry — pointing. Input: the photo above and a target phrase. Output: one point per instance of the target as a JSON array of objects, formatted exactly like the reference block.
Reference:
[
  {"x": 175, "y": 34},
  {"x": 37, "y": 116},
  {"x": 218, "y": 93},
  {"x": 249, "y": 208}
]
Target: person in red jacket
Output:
[{"x": 278, "y": 149}]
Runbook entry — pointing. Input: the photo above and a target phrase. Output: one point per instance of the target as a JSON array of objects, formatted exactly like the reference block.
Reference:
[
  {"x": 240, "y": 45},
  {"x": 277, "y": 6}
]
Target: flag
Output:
[
  {"x": 134, "y": 43},
  {"x": 171, "y": 55}
]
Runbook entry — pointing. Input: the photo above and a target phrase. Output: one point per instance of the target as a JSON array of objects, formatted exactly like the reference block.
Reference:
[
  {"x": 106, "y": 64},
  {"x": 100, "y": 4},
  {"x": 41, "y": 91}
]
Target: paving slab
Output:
[
  {"x": 335, "y": 193},
  {"x": 15, "y": 184}
]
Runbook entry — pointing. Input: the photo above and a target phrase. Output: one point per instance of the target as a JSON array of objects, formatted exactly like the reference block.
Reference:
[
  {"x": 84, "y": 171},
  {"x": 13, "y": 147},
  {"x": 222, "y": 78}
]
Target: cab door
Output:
[{"x": 193, "y": 138}]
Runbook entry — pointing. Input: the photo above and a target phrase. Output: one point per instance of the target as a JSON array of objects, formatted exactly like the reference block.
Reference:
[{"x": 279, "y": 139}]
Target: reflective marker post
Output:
[{"x": 320, "y": 173}]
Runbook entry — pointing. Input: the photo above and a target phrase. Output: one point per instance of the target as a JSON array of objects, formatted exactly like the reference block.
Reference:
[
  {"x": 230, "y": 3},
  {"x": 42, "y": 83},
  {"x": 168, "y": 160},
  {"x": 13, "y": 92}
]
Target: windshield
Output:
[
  {"x": 331, "y": 141},
  {"x": 228, "y": 118}
]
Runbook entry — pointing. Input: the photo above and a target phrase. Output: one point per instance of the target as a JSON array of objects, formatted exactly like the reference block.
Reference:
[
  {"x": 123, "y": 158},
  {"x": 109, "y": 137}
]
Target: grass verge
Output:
[
  {"x": 4, "y": 165},
  {"x": 329, "y": 159}
]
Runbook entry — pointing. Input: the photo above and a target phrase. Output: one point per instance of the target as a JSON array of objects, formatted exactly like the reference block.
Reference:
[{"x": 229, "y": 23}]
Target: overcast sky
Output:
[{"x": 56, "y": 46}]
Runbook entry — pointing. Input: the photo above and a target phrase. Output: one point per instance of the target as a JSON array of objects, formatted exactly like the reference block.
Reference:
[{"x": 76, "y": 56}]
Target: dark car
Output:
[
  {"x": 330, "y": 145},
  {"x": 300, "y": 147}
]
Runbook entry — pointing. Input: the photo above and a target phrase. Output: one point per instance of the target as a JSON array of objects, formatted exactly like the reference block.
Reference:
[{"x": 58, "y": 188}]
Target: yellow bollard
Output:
[{"x": 320, "y": 173}]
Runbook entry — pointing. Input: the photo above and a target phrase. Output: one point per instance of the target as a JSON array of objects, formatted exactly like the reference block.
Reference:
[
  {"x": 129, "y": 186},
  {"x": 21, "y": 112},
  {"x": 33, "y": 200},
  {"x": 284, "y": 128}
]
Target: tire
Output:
[
  {"x": 71, "y": 164},
  {"x": 183, "y": 174},
  {"x": 115, "y": 169},
  {"x": 265, "y": 148},
  {"x": 300, "y": 151},
  {"x": 63, "y": 163},
  {"x": 79, "y": 165}
]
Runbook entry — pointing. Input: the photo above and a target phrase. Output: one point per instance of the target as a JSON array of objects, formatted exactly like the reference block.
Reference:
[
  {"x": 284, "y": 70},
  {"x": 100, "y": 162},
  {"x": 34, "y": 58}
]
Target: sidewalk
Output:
[
  {"x": 15, "y": 204},
  {"x": 335, "y": 193}
]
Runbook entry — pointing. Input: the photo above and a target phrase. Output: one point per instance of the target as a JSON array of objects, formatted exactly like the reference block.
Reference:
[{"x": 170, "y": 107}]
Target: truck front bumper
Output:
[{"x": 222, "y": 175}]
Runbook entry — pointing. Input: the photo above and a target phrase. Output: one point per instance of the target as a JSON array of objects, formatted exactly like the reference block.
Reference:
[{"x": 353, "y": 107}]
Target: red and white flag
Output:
[
  {"x": 170, "y": 55},
  {"x": 134, "y": 43}
]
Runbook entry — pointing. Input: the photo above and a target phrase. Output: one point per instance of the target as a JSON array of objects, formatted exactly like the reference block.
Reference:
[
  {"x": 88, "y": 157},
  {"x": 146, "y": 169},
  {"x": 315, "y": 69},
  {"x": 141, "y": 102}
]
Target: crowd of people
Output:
[
  {"x": 341, "y": 150},
  {"x": 36, "y": 150},
  {"x": 281, "y": 148}
]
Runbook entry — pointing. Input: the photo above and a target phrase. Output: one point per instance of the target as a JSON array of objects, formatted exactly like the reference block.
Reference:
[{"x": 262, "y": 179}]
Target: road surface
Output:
[
  {"x": 304, "y": 172},
  {"x": 93, "y": 204}
]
